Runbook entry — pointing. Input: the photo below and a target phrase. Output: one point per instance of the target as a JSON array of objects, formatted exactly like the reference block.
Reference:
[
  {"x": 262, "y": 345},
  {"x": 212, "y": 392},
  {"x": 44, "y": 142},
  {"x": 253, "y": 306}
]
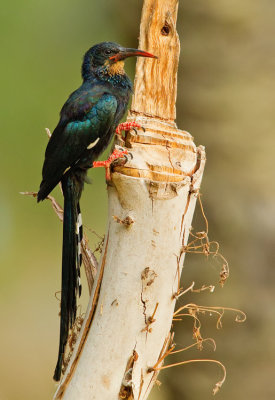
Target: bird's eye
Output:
[{"x": 108, "y": 51}]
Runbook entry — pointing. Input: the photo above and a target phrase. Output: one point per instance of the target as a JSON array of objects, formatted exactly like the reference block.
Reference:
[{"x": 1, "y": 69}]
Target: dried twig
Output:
[{"x": 89, "y": 260}]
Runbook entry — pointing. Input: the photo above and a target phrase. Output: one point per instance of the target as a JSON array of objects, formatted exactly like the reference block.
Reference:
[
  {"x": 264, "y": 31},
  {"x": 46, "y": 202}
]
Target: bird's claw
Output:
[
  {"x": 127, "y": 126},
  {"x": 116, "y": 154},
  {"x": 122, "y": 160}
]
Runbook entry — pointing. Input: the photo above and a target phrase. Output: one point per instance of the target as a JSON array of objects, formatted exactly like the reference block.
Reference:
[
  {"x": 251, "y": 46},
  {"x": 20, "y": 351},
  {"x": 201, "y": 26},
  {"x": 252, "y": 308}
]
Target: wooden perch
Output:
[{"x": 126, "y": 330}]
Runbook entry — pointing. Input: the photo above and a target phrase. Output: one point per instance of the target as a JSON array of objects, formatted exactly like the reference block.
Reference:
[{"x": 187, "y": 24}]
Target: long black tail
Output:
[{"x": 71, "y": 262}]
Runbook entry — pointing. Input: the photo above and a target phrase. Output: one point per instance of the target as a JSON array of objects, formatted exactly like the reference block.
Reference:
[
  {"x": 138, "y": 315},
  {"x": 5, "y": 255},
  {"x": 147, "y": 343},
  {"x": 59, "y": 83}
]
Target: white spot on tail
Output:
[
  {"x": 79, "y": 286},
  {"x": 79, "y": 220}
]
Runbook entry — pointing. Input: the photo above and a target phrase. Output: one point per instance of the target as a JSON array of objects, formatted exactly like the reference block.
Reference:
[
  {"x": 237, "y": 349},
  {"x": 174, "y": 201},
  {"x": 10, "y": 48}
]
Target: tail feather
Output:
[
  {"x": 79, "y": 237},
  {"x": 70, "y": 266}
]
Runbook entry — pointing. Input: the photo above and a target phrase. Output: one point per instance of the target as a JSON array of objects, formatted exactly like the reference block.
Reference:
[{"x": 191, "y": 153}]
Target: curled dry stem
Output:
[
  {"x": 195, "y": 344},
  {"x": 194, "y": 309},
  {"x": 190, "y": 288},
  {"x": 166, "y": 354},
  {"x": 202, "y": 245},
  {"x": 217, "y": 386}
]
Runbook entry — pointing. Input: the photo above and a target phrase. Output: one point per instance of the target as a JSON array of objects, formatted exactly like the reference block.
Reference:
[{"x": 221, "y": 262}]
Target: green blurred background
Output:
[{"x": 226, "y": 100}]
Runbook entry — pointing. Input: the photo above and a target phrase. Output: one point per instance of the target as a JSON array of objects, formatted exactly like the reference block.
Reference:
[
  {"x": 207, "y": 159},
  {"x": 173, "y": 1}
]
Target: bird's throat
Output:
[{"x": 115, "y": 68}]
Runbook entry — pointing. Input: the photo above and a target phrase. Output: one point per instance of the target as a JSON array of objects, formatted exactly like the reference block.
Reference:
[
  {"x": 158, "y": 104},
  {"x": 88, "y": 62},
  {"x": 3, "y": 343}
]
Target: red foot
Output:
[
  {"x": 106, "y": 164},
  {"x": 126, "y": 126}
]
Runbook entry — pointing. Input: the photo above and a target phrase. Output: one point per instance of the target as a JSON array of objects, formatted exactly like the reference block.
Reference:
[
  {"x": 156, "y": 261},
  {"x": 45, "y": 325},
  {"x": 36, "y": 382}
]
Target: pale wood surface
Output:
[{"x": 156, "y": 80}]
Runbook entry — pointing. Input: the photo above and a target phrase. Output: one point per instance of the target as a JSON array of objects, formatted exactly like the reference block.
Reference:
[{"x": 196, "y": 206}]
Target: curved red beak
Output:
[{"x": 125, "y": 53}]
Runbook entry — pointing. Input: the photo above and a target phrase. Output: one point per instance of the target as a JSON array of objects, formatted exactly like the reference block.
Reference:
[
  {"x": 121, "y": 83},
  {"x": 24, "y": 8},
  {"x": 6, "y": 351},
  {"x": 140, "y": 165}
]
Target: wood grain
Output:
[{"x": 156, "y": 80}]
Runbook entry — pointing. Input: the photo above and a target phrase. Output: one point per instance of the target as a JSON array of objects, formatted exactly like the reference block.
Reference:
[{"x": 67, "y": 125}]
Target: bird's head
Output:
[{"x": 108, "y": 57}]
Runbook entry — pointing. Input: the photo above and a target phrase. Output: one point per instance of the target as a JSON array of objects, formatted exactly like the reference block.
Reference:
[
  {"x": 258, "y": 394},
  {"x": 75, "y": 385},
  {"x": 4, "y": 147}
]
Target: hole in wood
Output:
[{"x": 165, "y": 30}]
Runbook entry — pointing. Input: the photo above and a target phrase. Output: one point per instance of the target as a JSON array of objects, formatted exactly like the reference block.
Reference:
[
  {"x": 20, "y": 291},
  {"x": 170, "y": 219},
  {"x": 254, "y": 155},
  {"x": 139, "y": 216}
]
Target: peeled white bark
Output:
[
  {"x": 141, "y": 263},
  {"x": 151, "y": 204}
]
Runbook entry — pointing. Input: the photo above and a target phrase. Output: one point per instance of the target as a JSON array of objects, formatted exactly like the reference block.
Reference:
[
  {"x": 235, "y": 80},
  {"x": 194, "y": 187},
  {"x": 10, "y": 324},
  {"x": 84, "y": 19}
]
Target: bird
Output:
[{"x": 88, "y": 121}]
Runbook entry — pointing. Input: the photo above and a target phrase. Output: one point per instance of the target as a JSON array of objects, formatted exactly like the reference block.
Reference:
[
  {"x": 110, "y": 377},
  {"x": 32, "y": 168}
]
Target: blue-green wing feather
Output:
[{"x": 84, "y": 118}]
